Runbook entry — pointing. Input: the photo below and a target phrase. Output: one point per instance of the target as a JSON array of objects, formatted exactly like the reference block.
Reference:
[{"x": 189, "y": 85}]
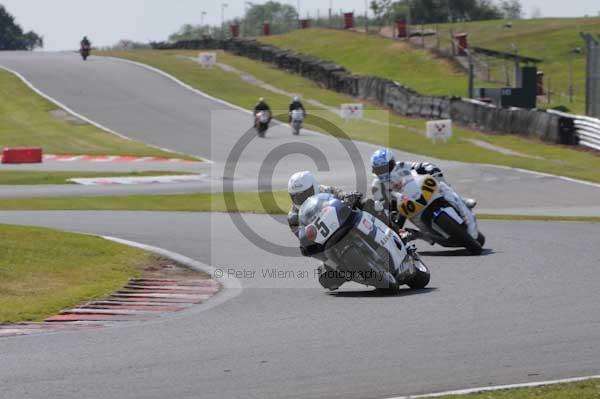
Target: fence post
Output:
[
  {"x": 592, "y": 76},
  {"x": 471, "y": 74}
]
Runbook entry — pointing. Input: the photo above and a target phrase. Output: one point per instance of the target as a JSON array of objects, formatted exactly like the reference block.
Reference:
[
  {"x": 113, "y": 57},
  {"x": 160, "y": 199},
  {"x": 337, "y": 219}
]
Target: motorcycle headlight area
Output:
[{"x": 310, "y": 232}]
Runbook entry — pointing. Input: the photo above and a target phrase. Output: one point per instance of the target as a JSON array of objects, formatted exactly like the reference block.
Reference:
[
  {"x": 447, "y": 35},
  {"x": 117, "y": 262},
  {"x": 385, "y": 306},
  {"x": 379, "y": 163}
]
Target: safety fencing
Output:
[
  {"x": 587, "y": 129},
  {"x": 399, "y": 99}
]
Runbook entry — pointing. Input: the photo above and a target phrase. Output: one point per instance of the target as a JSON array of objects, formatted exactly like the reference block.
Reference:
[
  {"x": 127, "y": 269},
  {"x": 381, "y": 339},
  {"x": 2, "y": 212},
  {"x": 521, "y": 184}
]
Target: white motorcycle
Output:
[
  {"x": 356, "y": 246},
  {"x": 433, "y": 208},
  {"x": 297, "y": 119}
]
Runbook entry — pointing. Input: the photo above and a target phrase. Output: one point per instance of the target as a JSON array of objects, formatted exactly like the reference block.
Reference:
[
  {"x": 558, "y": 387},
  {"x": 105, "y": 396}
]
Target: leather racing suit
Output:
[{"x": 327, "y": 276}]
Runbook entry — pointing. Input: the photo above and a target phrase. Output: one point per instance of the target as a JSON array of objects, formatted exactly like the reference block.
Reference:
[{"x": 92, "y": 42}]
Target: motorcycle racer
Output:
[
  {"x": 301, "y": 186},
  {"x": 261, "y": 105},
  {"x": 296, "y": 104}
]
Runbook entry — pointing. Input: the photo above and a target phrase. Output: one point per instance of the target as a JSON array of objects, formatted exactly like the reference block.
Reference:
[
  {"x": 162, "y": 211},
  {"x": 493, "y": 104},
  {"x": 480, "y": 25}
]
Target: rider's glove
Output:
[{"x": 353, "y": 199}]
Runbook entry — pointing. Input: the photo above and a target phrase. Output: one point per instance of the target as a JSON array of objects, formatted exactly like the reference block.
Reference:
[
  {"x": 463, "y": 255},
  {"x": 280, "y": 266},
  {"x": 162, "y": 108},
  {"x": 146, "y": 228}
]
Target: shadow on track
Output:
[
  {"x": 456, "y": 253},
  {"x": 380, "y": 293}
]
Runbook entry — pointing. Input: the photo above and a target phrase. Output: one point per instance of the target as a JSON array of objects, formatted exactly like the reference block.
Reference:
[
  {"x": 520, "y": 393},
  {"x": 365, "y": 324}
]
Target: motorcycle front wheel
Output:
[
  {"x": 481, "y": 239},
  {"x": 422, "y": 277},
  {"x": 459, "y": 233}
]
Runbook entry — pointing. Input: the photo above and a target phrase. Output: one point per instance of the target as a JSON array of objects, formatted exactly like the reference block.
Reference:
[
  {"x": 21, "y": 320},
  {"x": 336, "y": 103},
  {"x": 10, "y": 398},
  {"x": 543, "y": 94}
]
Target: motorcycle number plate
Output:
[
  {"x": 326, "y": 224},
  {"x": 409, "y": 207}
]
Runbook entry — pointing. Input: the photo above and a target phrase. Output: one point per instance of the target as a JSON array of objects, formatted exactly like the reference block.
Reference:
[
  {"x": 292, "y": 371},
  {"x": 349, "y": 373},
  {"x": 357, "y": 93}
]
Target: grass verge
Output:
[
  {"x": 549, "y": 39},
  {"x": 43, "y": 271},
  {"x": 539, "y": 218},
  {"x": 377, "y": 56},
  {"x": 26, "y": 119},
  {"x": 246, "y": 202},
  {"x": 389, "y": 130},
  {"x": 588, "y": 389},
  {"x": 21, "y": 177}
]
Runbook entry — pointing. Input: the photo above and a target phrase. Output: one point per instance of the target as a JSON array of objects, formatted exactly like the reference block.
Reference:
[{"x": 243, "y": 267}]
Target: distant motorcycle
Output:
[
  {"x": 437, "y": 218},
  {"x": 356, "y": 246},
  {"x": 85, "y": 52},
  {"x": 261, "y": 122},
  {"x": 297, "y": 119}
]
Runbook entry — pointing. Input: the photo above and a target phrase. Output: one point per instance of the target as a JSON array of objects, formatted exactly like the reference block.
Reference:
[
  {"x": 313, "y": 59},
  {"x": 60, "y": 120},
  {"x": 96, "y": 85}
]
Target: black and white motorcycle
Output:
[{"x": 356, "y": 246}]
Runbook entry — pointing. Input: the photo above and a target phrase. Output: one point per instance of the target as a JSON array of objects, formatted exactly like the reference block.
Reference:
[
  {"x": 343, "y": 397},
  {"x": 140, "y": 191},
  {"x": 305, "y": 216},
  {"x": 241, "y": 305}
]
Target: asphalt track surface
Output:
[{"x": 525, "y": 311}]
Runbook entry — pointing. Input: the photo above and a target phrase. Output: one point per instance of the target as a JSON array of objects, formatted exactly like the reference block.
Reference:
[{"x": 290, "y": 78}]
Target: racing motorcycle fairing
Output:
[{"x": 355, "y": 243}]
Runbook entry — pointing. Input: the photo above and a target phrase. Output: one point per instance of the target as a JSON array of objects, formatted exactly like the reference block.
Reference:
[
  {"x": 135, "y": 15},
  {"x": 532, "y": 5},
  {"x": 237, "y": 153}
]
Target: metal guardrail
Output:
[{"x": 587, "y": 129}]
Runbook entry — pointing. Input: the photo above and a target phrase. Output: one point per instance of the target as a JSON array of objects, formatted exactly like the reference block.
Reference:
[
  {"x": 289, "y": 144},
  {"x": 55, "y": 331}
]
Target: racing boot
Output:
[
  {"x": 409, "y": 235},
  {"x": 329, "y": 278}
]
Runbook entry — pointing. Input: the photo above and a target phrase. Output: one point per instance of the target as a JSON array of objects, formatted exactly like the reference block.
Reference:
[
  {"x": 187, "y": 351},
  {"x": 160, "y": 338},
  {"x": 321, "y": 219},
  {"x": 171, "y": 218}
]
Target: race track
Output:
[{"x": 525, "y": 311}]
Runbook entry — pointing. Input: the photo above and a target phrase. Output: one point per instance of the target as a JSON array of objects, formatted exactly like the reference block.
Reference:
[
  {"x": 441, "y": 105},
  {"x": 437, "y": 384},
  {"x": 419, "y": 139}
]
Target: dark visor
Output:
[
  {"x": 381, "y": 170},
  {"x": 299, "y": 198}
]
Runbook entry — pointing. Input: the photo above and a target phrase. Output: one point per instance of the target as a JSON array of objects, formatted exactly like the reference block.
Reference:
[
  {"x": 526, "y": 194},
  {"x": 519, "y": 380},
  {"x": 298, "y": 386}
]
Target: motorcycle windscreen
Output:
[{"x": 312, "y": 207}]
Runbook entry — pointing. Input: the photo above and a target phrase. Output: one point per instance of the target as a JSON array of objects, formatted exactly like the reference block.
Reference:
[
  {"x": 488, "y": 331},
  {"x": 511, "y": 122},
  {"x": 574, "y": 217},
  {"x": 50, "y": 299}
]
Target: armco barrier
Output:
[
  {"x": 398, "y": 98},
  {"x": 587, "y": 129},
  {"x": 22, "y": 155}
]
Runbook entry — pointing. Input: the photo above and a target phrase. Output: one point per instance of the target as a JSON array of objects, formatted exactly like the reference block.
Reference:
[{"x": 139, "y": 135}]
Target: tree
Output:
[
  {"x": 281, "y": 17},
  {"x": 382, "y": 9},
  {"x": 12, "y": 36},
  {"x": 438, "y": 11},
  {"x": 31, "y": 41},
  {"x": 400, "y": 10},
  {"x": 188, "y": 32},
  {"x": 512, "y": 9}
]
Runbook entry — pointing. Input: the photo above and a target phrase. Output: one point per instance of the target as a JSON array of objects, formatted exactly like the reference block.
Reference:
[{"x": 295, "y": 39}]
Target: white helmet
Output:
[
  {"x": 296, "y": 99},
  {"x": 261, "y": 100},
  {"x": 301, "y": 186}
]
